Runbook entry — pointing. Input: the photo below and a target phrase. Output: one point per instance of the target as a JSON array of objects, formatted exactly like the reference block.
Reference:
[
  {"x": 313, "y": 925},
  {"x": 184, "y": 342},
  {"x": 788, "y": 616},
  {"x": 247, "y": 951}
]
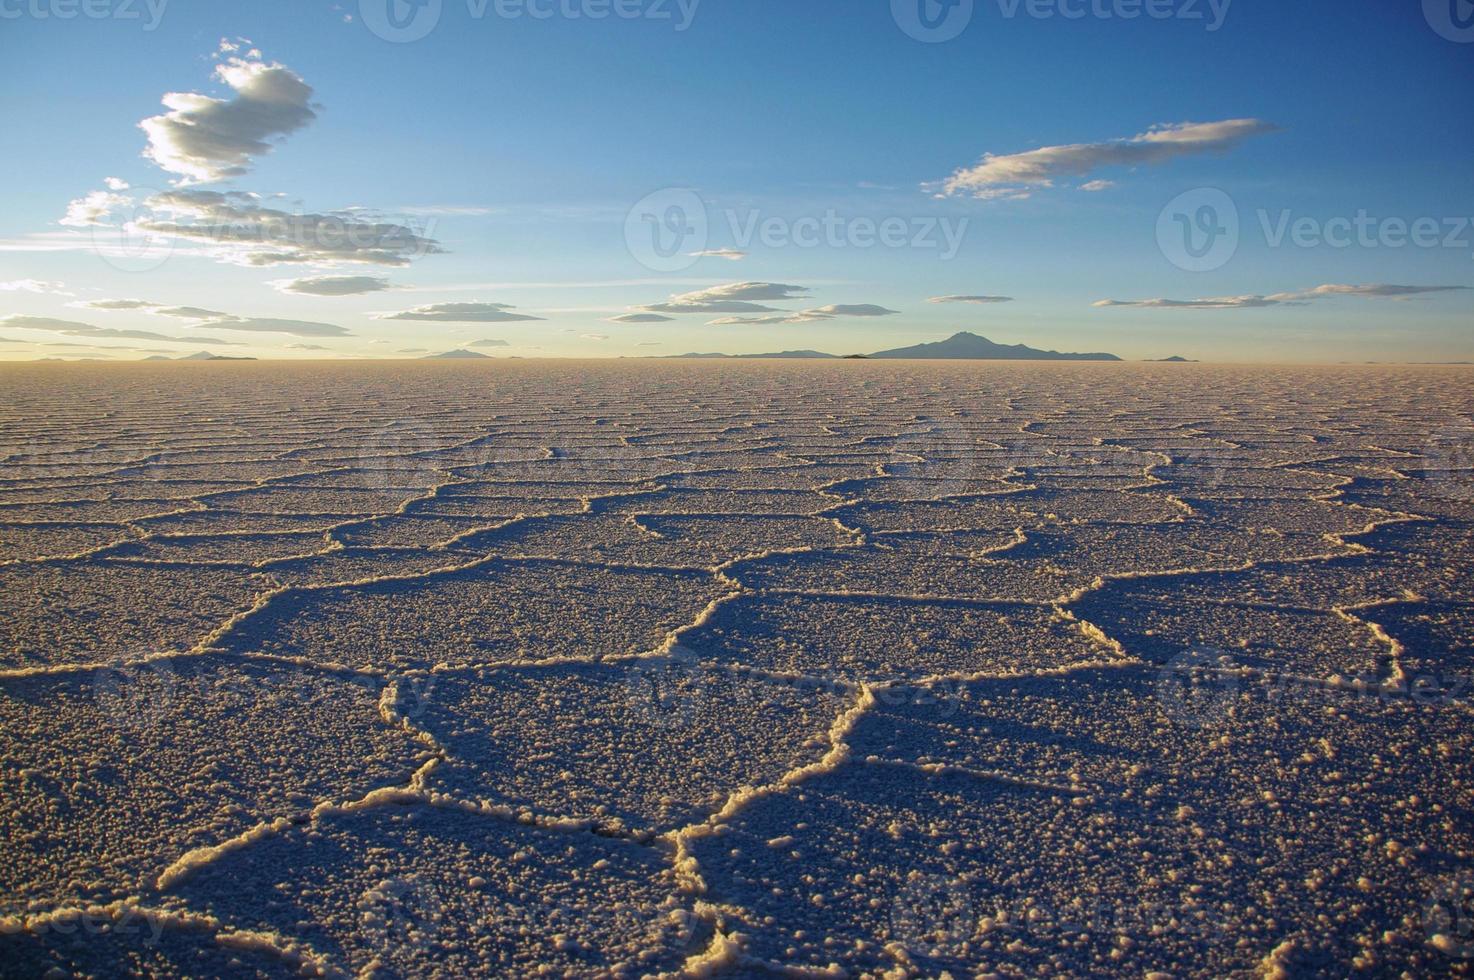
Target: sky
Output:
[{"x": 1234, "y": 180}]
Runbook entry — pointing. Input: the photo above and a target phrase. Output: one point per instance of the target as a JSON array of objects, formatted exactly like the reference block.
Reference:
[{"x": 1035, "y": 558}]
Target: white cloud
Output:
[
  {"x": 259, "y": 324},
  {"x": 34, "y": 286},
  {"x": 1094, "y": 186},
  {"x": 460, "y": 313},
  {"x": 73, "y": 328},
  {"x": 246, "y": 233},
  {"x": 117, "y": 304},
  {"x": 731, "y": 254},
  {"x": 84, "y": 212},
  {"x": 1017, "y": 175},
  {"x": 306, "y": 347},
  {"x": 206, "y": 139},
  {"x": 1210, "y": 303},
  {"x": 191, "y": 313},
  {"x": 735, "y": 297},
  {"x": 115, "y": 183},
  {"x": 804, "y": 317},
  {"x": 331, "y": 285},
  {"x": 1301, "y": 298},
  {"x": 851, "y": 309},
  {"x": 1372, "y": 291},
  {"x": 639, "y": 318},
  {"x": 971, "y": 299},
  {"x": 593, "y": 336}
]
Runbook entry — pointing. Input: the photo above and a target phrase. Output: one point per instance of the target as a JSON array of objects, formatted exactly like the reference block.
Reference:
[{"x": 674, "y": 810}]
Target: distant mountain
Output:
[
  {"x": 456, "y": 355},
  {"x": 959, "y": 346},
  {"x": 799, "y": 354},
  {"x": 969, "y": 346},
  {"x": 158, "y": 357},
  {"x": 1174, "y": 359},
  {"x": 205, "y": 355}
]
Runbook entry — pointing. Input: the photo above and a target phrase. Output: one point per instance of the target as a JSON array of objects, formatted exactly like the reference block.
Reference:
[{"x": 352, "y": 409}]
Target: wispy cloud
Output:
[
  {"x": 34, "y": 286},
  {"x": 639, "y": 318},
  {"x": 731, "y": 254},
  {"x": 460, "y": 313},
  {"x": 244, "y": 232},
  {"x": 74, "y": 328},
  {"x": 1017, "y": 175},
  {"x": 331, "y": 285},
  {"x": 489, "y": 342},
  {"x": 971, "y": 299},
  {"x": 852, "y": 309},
  {"x": 1299, "y": 298},
  {"x": 206, "y": 139},
  {"x": 260, "y": 324},
  {"x": 735, "y": 297}
]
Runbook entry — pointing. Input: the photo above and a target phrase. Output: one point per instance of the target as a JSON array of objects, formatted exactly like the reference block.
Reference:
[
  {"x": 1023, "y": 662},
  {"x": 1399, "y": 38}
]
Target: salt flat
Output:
[{"x": 690, "y": 668}]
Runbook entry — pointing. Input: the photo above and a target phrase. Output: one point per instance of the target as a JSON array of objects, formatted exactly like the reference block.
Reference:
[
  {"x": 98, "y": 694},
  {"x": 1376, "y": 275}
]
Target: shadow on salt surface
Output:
[
  {"x": 887, "y": 573},
  {"x": 410, "y": 530},
  {"x": 1044, "y": 783},
  {"x": 111, "y": 775},
  {"x": 362, "y": 564},
  {"x": 430, "y": 892},
  {"x": 29, "y": 541},
  {"x": 132, "y": 943},
  {"x": 677, "y": 540},
  {"x": 1438, "y": 646},
  {"x": 1159, "y": 619},
  {"x": 646, "y": 745},
  {"x": 218, "y": 521},
  {"x": 88, "y": 611},
  {"x": 499, "y": 612},
  {"x": 234, "y": 549},
  {"x": 853, "y": 639}
]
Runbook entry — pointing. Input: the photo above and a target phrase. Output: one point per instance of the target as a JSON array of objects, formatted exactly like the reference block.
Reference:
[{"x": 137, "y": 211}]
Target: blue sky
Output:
[{"x": 505, "y": 152}]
